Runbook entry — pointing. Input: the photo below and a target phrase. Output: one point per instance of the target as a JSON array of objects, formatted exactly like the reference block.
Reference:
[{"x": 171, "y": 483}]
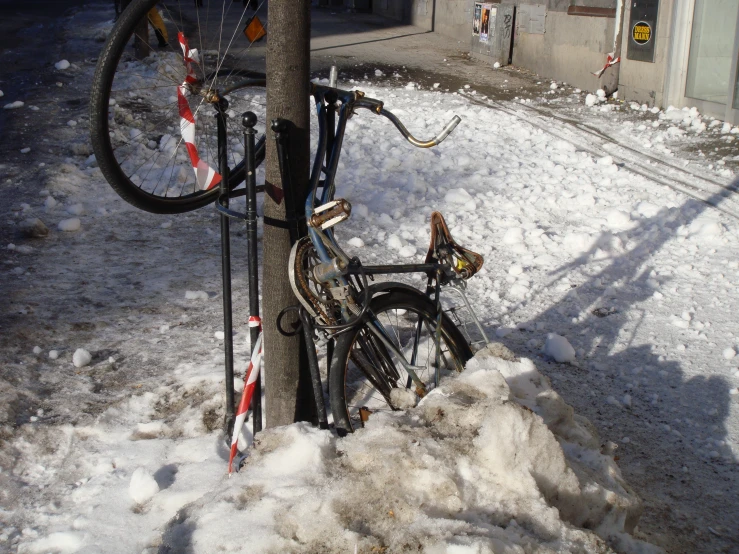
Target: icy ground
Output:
[{"x": 124, "y": 454}]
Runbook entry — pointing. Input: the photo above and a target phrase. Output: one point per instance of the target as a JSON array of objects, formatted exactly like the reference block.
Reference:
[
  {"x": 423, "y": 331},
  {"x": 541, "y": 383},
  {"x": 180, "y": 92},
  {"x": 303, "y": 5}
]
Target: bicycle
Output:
[{"x": 392, "y": 341}]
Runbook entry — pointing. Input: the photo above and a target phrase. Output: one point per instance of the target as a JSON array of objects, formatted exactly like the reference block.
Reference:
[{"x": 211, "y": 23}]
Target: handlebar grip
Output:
[
  {"x": 446, "y": 131},
  {"x": 413, "y": 140}
]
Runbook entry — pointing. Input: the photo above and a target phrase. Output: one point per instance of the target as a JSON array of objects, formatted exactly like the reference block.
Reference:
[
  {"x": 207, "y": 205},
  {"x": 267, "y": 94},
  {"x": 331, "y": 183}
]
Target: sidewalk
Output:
[
  {"x": 360, "y": 43},
  {"x": 586, "y": 213}
]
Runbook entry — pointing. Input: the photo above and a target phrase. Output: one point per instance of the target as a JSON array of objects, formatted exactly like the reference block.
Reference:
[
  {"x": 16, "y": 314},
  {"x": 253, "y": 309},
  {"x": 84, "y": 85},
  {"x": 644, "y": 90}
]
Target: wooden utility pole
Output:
[{"x": 288, "y": 389}]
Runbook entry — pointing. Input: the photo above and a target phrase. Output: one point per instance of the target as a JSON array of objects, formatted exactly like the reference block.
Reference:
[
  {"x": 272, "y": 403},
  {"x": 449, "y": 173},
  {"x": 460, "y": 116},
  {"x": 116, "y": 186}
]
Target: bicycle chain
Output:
[{"x": 304, "y": 250}]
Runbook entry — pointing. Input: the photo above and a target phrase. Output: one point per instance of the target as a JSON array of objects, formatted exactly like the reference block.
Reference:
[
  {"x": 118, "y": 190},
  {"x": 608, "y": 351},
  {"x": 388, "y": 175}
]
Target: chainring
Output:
[{"x": 312, "y": 294}]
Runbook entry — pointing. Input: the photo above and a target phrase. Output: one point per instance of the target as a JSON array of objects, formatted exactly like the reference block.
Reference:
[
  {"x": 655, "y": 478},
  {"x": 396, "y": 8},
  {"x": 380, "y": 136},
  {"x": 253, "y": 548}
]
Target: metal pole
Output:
[
  {"x": 221, "y": 116},
  {"x": 333, "y": 77},
  {"x": 249, "y": 120},
  {"x": 315, "y": 373}
]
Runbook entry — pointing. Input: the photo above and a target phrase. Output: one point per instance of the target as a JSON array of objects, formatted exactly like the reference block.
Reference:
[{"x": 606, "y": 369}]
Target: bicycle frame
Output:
[{"x": 330, "y": 141}]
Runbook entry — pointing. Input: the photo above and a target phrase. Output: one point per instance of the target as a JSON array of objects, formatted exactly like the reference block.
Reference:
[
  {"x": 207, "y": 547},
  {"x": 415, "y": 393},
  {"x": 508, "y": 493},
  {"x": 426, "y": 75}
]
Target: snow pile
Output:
[
  {"x": 598, "y": 98},
  {"x": 491, "y": 460}
]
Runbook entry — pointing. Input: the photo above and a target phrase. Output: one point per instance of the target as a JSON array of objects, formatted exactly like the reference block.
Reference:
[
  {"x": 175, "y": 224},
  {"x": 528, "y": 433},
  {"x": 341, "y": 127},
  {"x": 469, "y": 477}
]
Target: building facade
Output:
[{"x": 672, "y": 52}]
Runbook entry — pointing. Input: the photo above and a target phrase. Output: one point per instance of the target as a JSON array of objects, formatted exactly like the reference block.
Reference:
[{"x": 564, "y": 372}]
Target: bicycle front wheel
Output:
[
  {"x": 154, "y": 99},
  {"x": 367, "y": 376}
]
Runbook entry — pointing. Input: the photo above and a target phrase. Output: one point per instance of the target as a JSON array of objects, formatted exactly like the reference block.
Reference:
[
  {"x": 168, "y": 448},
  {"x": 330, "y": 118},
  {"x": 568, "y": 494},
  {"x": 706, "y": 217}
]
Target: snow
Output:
[
  {"x": 460, "y": 196},
  {"x": 69, "y": 225},
  {"x": 142, "y": 486},
  {"x": 635, "y": 278},
  {"x": 196, "y": 295},
  {"x": 559, "y": 348},
  {"x": 394, "y": 242},
  {"x": 516, "y": 457},
  {"x": 76, "y": 209},
  {"x": 63, "y": 542},
  {"x": 81, "y": 357}
]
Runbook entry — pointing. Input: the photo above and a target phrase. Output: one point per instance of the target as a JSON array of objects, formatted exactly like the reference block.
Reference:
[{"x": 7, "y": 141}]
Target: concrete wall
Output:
[
  {"x": 413, "y": 12},
  {"x": 571, "y": 47},
  {"x": 454, "y": 19},
  {"x": 644, "y": 82}
]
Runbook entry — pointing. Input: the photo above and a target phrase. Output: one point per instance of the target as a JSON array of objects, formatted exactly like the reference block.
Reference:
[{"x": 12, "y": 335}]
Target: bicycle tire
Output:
[
  {"x": 350, "y": 385},
  {"x": 134, "y": 111}
]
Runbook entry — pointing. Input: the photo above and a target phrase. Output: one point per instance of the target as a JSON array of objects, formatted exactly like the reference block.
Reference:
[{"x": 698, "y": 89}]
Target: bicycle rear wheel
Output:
[
  {"x": 366, "y": 378},
  {"x": 140, "y": 137}
]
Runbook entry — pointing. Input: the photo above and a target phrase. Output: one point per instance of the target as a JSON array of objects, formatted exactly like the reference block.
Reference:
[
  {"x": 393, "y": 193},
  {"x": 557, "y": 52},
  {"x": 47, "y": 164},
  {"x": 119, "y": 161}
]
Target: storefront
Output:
[
  {"x": 705, "y": 73},
  {"x": 672, "y": 52}
]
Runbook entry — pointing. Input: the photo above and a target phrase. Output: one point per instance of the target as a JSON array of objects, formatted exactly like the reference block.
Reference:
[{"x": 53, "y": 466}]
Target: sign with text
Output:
[{"x": 642, "y": 27}]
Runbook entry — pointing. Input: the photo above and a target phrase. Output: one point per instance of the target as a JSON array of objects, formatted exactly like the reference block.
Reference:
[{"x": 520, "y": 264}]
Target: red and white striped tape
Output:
[
  {"x": 609, "y": 62},
  {"x": 206, "y": 176},
  {"x": 250, "y": 381}
]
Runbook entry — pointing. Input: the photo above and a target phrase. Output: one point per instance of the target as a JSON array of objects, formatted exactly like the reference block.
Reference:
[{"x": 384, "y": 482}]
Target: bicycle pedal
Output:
[
  {"x": 364, "y": 414},
  {"x": 330, "y": 214}
]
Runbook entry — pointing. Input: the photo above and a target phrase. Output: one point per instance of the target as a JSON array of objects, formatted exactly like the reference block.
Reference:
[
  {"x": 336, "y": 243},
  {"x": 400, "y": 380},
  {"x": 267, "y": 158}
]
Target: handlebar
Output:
[
  {"x": 357, "y": 99},
  {"x": 448, "y": 128}
]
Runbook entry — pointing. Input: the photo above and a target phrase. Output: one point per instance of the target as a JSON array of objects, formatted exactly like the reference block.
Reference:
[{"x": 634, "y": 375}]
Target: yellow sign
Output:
[{"x": 641, "y": 32}]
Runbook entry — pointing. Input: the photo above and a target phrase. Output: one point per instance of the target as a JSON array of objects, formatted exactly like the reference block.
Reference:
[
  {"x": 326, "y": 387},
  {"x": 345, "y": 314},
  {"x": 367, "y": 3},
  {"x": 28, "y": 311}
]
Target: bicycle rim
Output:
[
  {"x": 369, "y": 378},
  {"x": 144, "y": 148}
]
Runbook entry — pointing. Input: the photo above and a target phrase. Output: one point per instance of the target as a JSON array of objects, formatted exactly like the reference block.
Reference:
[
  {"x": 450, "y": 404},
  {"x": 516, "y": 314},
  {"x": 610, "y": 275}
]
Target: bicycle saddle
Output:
[{"x": 444, "y": 249}]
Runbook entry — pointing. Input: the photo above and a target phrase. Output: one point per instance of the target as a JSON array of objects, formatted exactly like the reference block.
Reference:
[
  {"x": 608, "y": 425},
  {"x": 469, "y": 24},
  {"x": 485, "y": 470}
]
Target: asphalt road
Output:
[
  {"x": 22, "y": 23},
  {"x": 32, "y": 39}
]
